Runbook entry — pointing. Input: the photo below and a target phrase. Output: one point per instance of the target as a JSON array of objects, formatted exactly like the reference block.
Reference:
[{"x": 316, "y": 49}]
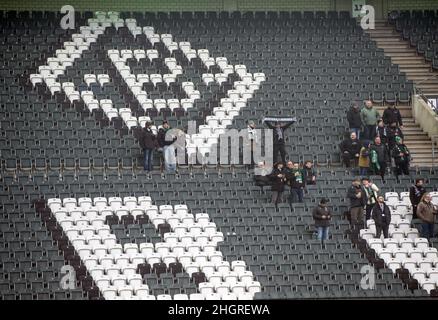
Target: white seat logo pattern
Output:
[{"x": 192, "y": 242}]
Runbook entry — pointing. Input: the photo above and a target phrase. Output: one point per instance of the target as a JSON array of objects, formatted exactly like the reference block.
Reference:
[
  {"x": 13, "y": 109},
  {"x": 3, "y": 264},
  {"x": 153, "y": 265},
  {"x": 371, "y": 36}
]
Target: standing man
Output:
[
  {"x": 168, "y": 148},
  {"x": 279, "y": 137},
  {"x": 369, "y": 116},
  {"x": 393, "y": 132},
  {"x": 427, "y": 212},
  {"x": 392, "y": 115},
  {"x": 252, "y": 139},
  {"x": 382, "y": 217},
  {"x": 322, "y": 216},
  {"x": 402, "y": 157},
  {"x": 370, "y": 192},
  {"x": 354, "y": 119},
  {"x": 416, "y": 192},
  {"x": 278, "y": 178},
  {"x": 350, "y": 149},
  {"x": 148, "y": 143},
  {"x": 357, "y": 202},
  {"x": 295, "y": 177},
  {"x": 379, "y": 157}
]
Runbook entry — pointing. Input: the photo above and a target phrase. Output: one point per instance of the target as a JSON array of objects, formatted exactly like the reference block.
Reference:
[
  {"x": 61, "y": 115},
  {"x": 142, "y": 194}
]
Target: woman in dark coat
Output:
[{"x": 278, "y": 178}]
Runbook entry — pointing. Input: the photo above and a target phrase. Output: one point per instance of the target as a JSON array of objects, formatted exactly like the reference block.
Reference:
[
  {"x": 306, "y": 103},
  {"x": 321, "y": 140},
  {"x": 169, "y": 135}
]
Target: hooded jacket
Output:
[
  {"x": 353, "y": 118},
  {"x": 317, "y": 214},
  {"x": 355, "y": 201},
  {"x": 391, "y": 115}
]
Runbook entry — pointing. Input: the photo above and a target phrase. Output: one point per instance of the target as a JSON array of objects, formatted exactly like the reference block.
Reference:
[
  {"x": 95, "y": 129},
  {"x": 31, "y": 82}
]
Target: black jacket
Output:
[
  {"x": 320, "y": 211},
  {"x": 309, "y": 173},
  {"x": 278, "y": 183},
  {"x": 147, "y": 139},
  {"x": 382, "y": 152},
  {"x": 276, "y": 137},
  {"x": 380, "y": 217},
  {"x": 352, "y": 146},
  {"x": 381, "y": 132},
  {"x": 161, "y": 137},
  {"x": 353, "y": 118},
  {"x": 401, "y": 148},
  {"x": 392, "y": 115},
  {"x": 295, "y": 178},
  {"x": 415, "y": 194},
  {"x": 392, "y": 133},
  {"x": 354, "y": 201}
]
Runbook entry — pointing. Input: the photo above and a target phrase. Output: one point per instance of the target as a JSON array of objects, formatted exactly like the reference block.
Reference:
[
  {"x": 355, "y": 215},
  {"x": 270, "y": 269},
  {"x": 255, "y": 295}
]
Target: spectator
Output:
[
  {"x": 322, "y": 216},
  {"x": 416, "y": 192},
  {"x": 370, "y": 194},
  {"x": 279, "y": 137},
  {"x": 261, "y": 177},
  {"x": 168, "y": 148},
  {"x": 379, "y": 157},
  {"x": 309, "y": 173},
  {"x": 354, "y": 120},
  {"x": 369, "y": 116},
  {"x": 382, "y": 217},
  {"x": 252, "y": 139},
  {"x": 356, "y": 197},
  {"x": 295, "y": 177},
  {"x": 364, "y": 159},
  {"x": 402, "y": 157},
  {"x": 392, "y": 133},
  {"x": 350, "y": 149},
  {"x": 392, "y": 115},
  {"x": 278, "y": 179},
  {"x": 381, "y": 132},
  {"x": 427, "y": 212},
  {"x": 148, "y": 142}
]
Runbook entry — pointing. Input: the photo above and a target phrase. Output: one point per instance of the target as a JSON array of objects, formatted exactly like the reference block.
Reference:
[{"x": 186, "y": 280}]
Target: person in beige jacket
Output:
[{"x": 427, "y": 212}]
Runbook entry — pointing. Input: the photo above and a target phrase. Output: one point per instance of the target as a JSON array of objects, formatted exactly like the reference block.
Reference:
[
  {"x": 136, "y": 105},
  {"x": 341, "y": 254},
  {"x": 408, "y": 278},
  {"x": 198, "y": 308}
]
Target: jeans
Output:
[
  {"x": 363, "y": 171},
  {"x": 323, "y": 233},
  {"x": 427, "y": 230},
  {"x": 279, "y": 148},
  {"x": 148, "y": 158},
  {"x": 356, "y": 131},
  {"x": 169, "y": 158},
  {"x": 296, "y": 193}
]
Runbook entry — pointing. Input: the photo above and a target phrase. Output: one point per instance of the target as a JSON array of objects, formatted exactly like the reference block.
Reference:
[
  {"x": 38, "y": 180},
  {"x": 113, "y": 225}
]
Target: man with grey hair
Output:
[{"x": 369, "y": 116}]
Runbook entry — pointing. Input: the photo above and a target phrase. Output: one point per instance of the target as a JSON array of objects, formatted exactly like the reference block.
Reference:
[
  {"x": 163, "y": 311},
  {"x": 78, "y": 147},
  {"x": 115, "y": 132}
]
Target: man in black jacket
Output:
[
  {"x": 402, "y": 157},
  {"x": 322, "y": 216},
  {"x": 296, "y": 180},
  {"x": 392, "y": 133},
  {"x": 278, "y": 178},
  {"x": 354, "y": 120},
  {"x": 148, "y": 143},
  {"x": 382, "y": 217},
  {"x": 279, "y": 137},
  {"x": 392, "y": 115},
  {"x": 379, "y": 157},
  {"x": 350, "y": 149},
  {"x": 357, "y": 203},
  {"x": 416, "y": 192}
]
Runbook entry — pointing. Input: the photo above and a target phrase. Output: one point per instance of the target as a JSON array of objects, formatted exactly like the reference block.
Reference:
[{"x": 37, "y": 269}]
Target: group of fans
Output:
[{"x": 375, "y": 140}]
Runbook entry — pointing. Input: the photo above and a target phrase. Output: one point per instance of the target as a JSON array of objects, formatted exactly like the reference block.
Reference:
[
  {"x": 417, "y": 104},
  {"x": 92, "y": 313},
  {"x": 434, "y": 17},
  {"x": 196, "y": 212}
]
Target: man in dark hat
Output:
[
  {"x": 148, "y": 142},
  {"x": 322, "y": 216},
  {"x": 416, "y": 192}
]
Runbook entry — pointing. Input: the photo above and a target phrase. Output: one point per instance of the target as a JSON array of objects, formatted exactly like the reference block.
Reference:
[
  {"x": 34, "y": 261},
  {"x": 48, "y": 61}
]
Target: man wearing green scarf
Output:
[{"x": 402, "y": 157}]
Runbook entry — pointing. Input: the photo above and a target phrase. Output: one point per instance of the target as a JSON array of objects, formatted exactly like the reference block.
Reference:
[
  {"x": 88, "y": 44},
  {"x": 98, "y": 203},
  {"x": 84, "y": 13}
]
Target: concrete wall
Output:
[{"x": 425, "y": 116}]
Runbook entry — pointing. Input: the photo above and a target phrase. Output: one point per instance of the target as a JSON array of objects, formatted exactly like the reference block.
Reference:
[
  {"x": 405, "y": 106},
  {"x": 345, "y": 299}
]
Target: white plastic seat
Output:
[
  {"x": 421, "y": 243},
  {"x": 196, "y": 296},
  {"x": 394, "y": 264},
  {"x": 215, "y": 278},
  {"x": 109, "y": 293},
  {"x": 246, "y": 277},
  {"x": 206, "y": 288},
  {"x": 253, "y": 287},
  {"x": 180, "y": 296},
  {"x": 430, "y": 253},
  {"x": 238, "y": 266}
]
